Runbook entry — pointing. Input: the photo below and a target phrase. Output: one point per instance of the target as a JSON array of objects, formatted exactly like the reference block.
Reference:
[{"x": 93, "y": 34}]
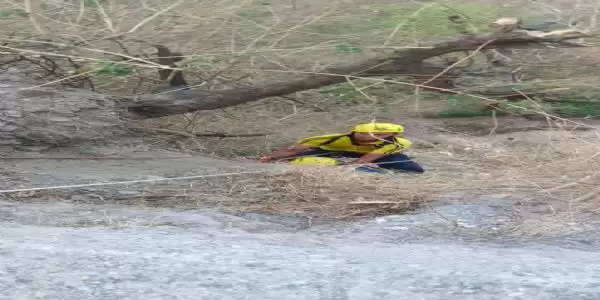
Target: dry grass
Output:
[
  {"x": 224, "y": 41},
  {"x": 224, "y": 38},
  {"x": 553, "y": 169},
  {"x": 560, "y": 174},
  {"x": 553, "y": 173}
]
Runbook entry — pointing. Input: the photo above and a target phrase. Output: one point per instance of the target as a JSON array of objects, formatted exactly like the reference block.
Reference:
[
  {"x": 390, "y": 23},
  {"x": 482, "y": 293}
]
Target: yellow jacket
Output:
[{"x": 343, "y": 142}]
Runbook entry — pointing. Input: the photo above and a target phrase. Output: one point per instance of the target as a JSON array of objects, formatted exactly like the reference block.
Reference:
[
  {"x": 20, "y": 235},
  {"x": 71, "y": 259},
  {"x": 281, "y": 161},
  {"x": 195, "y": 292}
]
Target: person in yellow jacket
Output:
[{"x": 377, "y": 144}]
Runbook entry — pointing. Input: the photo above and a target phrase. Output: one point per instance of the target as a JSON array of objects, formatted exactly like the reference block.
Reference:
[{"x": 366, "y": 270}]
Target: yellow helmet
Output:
[{"x": 378, "y": 127}]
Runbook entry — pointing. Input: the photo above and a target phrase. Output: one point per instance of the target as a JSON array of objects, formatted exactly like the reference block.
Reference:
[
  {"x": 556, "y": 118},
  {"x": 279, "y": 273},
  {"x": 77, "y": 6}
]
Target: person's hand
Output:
[{"x": 266, "y": 159}]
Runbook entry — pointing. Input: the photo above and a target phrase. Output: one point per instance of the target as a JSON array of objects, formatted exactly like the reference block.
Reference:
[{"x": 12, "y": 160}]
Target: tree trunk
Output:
[{"x": 46, "y": 116}]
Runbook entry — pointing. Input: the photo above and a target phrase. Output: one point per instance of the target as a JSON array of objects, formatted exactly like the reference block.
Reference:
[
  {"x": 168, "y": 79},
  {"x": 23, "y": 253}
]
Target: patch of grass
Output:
[
  {"x": 106, "y": 72},
  {"x": 577, "y": 109},
  {"x": 432, "y": 21},
  {"x": 94, "y": 3},
  {"x": 584, "y": 94},
  {"x": 347, "y": 48},
  {"x": 113, "y": 69},
  {"x": 464, "y": 114},
  {"x": 106, "y": 69},
  {"x": 5, "y": 13},
  {"x": 523, "y": 108},
  {"x": 568, "y": 108},
  {"x": 459, "y": 106},
  {"x": 344, "y": 92},
  {"x": 257, "y": 13}
]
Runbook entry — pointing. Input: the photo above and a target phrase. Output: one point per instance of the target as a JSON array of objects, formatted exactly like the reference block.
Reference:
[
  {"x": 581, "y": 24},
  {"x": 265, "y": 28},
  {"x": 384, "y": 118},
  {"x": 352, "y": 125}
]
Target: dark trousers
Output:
[{"x": 396, "y": 161}]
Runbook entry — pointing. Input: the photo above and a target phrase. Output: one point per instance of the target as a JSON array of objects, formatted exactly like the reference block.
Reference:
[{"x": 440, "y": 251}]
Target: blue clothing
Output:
[{"x": 394, "y": 161}]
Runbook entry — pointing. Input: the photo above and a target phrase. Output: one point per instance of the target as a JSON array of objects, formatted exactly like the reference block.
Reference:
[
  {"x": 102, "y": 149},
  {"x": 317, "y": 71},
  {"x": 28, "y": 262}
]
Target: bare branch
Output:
[
  {"x": 81, "y": 11},
  {"x": 152, "y": 17},
  {"x": 458, "y": 62},
  {"x": 105, "y": 17},
  {"x": 33, "y": 7},
  {"x": 407, "y": 60}
]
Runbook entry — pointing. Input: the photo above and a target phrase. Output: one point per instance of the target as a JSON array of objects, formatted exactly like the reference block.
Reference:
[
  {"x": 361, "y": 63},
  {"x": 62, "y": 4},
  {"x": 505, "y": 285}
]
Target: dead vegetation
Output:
[
  {"x": 554, "y": 171},
  {"x": 549, "y": 164},
  {"x": 241, "y": 43}
]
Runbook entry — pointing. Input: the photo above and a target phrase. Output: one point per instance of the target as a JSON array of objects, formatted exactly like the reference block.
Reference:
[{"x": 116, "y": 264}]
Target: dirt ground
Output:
[
  {"x": 548, "y": 163},
  {"x": 550, "y": 166}
]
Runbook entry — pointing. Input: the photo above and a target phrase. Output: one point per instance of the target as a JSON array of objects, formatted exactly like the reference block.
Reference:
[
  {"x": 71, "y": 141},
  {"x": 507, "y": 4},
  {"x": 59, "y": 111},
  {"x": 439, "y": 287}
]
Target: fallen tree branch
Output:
[
  {"x": 56, "y": 117},
  {"x": 406, "y": 60},
  {"x": 470, "y": 56}
]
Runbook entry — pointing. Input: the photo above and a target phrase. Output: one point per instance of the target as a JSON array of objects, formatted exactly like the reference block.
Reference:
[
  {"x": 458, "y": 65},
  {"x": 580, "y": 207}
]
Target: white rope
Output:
[{"x": 123, "y": 182}]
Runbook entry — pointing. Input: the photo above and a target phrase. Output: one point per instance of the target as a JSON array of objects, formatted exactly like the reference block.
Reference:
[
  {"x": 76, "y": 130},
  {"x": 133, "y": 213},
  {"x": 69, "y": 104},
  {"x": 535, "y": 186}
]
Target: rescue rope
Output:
[{"x": 57, "y": 187}]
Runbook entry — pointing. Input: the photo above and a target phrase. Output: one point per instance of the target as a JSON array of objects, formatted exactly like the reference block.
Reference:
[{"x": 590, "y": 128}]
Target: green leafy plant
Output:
[
  {"x": 5, "y": 13},
  {"x": 347, "y": 48},
  {"x": 113, "y": 69}
]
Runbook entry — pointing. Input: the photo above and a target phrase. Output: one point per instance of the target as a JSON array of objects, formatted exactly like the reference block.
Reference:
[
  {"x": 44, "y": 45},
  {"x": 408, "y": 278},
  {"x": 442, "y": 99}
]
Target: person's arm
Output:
[
  {"x": 284, "y": 153},
  {"x": 369, "y": 158},
  {"x": 399, "y": 145}
]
